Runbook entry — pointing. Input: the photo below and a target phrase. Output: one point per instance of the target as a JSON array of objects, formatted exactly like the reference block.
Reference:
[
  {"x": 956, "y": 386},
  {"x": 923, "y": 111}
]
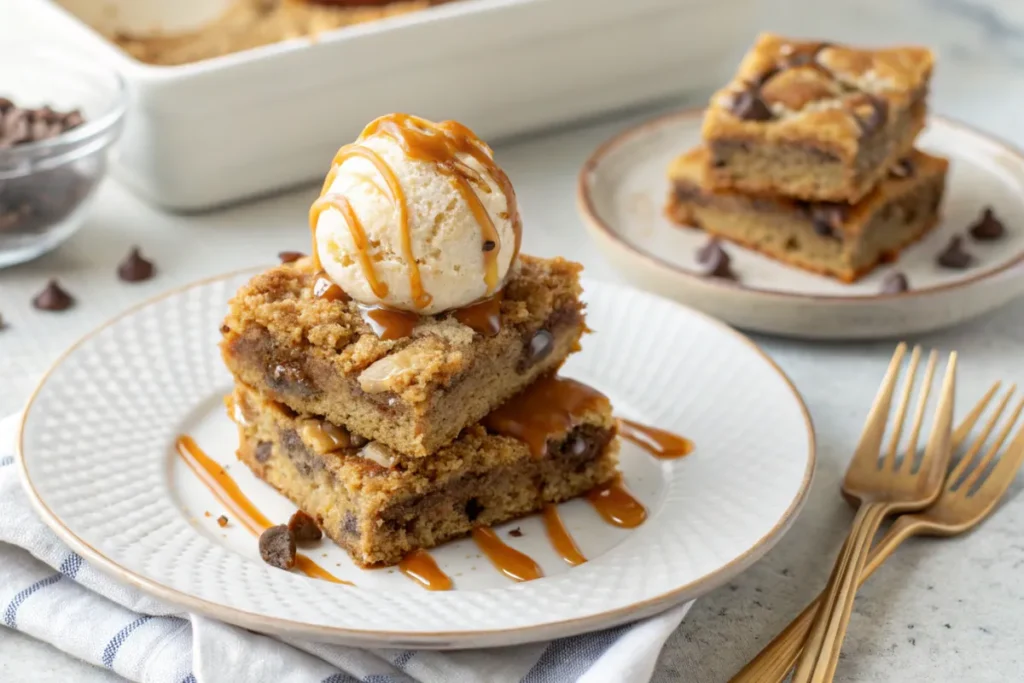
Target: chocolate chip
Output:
[
  {"x": 827, "y": 219},
  {"x": 72, "y": 119},
  {"x": 304, "y": 527},
  {"x": 987, "y": 227},
  {"x": 489, "y": 245},
  {"x": 5, "y": 104},
  {"x": 222, "y": 521},
  {"x": 954, "y": 256},
  {"x": 264, "y": 449},
  {"x": 277, "y": 547},
  {"x": 542, "y": 343},
  {"x": 473, "y": 509},
  {"x": 516, "y": 533},
  {"x": 894, "y": 283},
  {"x": 356, "y": 441},
  {"x": 53, "y": 298},
  {"x": 289, "y": 256},
  {"x": 904, "y": 168},
  {"x": 134, "y": 268},
  {"x": 715, "y": 261},
  {"x": 874, "y": 120},
  {"x": 760, "y": 79},
  {"x": 749, "y": 106}
]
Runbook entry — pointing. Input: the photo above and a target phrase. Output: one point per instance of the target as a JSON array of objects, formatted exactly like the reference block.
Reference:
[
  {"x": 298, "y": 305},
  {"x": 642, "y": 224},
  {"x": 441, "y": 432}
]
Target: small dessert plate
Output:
[
  {"x": 623, "y": 189},
  {"x": 97, "y": 456}
]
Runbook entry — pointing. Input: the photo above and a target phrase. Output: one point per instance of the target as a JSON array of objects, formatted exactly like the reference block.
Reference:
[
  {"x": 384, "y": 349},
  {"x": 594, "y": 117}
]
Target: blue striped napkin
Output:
[{"x": 51, "y": 593}]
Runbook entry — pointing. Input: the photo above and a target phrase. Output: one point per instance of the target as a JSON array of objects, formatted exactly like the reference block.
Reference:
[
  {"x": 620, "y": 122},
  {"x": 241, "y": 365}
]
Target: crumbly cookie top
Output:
[
  {"x": 687, "y": 170},
  {"x": 802, "y": 90},
  {"x": 281, "y": 302}
]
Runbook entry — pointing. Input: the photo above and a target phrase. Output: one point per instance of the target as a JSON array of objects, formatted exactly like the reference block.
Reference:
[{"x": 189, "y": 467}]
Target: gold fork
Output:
[
  {"x": 885, "y": 488},
  {"x": 957, "y": 510}
]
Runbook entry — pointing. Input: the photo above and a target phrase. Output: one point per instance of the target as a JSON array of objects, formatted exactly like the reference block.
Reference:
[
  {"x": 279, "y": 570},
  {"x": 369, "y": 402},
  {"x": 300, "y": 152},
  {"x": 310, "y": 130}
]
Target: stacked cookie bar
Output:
[
  {"x": 808, "y": 157},
  {"x": 392, "y": 445}
]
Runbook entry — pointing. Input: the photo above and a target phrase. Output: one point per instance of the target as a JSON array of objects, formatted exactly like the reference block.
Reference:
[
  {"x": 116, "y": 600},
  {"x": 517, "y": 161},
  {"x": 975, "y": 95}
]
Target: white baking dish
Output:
[{"x": 217, "y": 131}]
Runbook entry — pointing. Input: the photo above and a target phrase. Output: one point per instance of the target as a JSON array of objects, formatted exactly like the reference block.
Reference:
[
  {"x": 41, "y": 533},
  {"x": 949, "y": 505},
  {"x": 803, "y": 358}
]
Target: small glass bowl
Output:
[{"x": 46, "y": 187}]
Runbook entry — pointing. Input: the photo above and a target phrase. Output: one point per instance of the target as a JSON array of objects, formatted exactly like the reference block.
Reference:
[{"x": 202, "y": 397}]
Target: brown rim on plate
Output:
[
  {"x": 259, "y": 622},
  {"x": 601, "y": 229}
]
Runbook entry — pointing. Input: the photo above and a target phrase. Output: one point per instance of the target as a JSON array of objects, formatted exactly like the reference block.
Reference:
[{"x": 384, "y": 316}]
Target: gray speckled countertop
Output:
[{"x": 940, "y": 610}]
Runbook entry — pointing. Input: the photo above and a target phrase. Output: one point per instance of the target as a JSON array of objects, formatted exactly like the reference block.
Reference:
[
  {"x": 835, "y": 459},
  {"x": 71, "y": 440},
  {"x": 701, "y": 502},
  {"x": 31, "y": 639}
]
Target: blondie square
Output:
[
  {"x": 413, "y": 394},
  {"x": 815, "y": 121},
  {"x": 833, "y": 239},
  {"x": 379, "y": 505}
]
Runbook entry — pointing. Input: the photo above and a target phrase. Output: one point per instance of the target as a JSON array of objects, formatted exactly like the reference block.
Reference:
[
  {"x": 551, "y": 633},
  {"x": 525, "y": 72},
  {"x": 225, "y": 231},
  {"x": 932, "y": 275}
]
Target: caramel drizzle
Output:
[
  {"x": 420, "y": 566},
  {"x": 560, "y": 538},
  {"x": 483, "y": 317},
  {"x": 507, "y": 559},
  {"x": 227, "y": 492},
  {"x": 617, "y": 505},
  {"x": 440, "y": 143},
  {"x": 658, "y": 442},
  {"x": 389, "y": 323}
]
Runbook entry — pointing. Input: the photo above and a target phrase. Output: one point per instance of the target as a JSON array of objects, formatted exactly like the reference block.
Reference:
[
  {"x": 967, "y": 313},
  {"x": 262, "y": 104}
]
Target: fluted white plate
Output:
[
  {"x": 623, "y": 189},
  {"x": 98, "y": 460}
]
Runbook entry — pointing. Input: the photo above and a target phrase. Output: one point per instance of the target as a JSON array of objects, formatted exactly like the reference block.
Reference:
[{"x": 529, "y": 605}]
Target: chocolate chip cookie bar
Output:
[
  {"x": 379, "y": 505},
  {"x": 815, "y": 121},
  {"x": 320, "y": 356},
  {"x": 834, "y": 239}
]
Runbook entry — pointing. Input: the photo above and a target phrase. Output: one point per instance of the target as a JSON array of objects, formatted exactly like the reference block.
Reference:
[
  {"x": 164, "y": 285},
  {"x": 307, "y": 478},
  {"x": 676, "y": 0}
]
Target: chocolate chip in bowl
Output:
[{"x": 59, "y": 114}]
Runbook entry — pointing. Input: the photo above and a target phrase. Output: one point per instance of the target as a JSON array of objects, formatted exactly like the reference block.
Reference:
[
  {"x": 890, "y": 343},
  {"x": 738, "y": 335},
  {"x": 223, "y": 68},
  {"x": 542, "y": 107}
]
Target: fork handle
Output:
[
  {"x": 820, "y": 656},
  {"x": 773, "y": 663}
]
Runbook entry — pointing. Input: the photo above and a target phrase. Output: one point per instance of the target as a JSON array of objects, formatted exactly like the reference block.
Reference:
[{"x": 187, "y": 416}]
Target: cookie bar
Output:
[
  {"x": 828, "y": 238},
  {"x": 379, "y": 505},
  {"x": 815, "y": 121},
  {"x": 416, "y": 393}
]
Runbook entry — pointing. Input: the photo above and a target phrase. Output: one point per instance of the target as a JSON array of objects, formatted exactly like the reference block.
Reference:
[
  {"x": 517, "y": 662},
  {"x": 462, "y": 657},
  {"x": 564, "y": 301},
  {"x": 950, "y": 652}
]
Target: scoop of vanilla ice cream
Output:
[{"x": 446, "y": 237}]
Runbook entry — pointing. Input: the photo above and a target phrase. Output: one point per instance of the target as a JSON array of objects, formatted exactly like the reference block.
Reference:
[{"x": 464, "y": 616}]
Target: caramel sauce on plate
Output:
[
  {"x": 484, "y": 316},
  {"x": 389, "y": 323},
  {"x": 507, "y": 559},
  {"x": 441, "y": 144},
  {"x": 560, "y": 538},
  {"x": 658, "y": 442},
  {"x": 227, "y": 492},
  {"x": 547, "y": 409},
  {"x": 617, "y": 505},
  {"x": 420, "y": 566}
]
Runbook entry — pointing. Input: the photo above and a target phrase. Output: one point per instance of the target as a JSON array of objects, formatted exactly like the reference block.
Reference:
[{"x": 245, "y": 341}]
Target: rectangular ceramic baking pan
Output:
[{"x": 213, "y": 132}]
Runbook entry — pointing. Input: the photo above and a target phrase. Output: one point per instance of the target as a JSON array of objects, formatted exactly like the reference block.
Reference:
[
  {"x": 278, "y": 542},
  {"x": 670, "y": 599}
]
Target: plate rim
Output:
[
  {"x": 598, "y": 227},
  {"x": 418, "y": 639}
]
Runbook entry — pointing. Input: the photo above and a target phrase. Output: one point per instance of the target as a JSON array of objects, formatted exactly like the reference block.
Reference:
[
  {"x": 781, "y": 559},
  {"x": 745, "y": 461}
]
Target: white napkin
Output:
[{"x": 49, "y": 592}]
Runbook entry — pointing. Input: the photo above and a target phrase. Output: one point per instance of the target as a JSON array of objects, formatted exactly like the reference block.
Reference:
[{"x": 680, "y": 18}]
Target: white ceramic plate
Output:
[
  {"x": 99, "y": 463},
  {"x": 623, "y": 188}
]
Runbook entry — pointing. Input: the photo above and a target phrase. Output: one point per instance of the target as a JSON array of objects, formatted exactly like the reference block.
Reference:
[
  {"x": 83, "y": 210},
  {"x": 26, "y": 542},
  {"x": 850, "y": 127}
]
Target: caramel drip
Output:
[
  {"x": 658, "y": 442},
  {"x": 325, "y": 288},
  {"x": 547, "y": 409},
  {"x": 560, "y": 538},
  {"x": 484, "y": 316},
  {"x": 617, "y": 505},
  {"x": 507, "y": 559},
  {"x": 227, "y": 492},
  {"x": 389, "y": 323},
  {"x": 420, "y": 566},
  {"x": 355, "y": 228}
]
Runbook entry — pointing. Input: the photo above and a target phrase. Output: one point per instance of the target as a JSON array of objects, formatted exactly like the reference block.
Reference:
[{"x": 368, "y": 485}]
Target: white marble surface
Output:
[{"x": 940, "y": 610}]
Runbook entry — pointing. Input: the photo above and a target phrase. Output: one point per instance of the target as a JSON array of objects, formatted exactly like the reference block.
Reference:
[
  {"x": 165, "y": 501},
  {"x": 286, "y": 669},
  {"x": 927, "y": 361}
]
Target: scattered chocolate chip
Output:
[
  {"x": 489, "y": 245},
  {"x": 904, "y": 168},
  {"x": 954, "y": 256},
  {"x": 277, "y": 547},
  {"x": 356, "y": 441},
  {"x": 53, "y": 298},
  {"x": 875, "y": 118},
  {"x": 264, "y": 449},
  {"x": 222, "y": 521},
  {"x": 304, "y": 527},
  {"x": 473, "y": 509},
  {"x": 72, "y": 119},
  {"x": 516, "y": 533},
  {"x": 289, "y": 256},
  {"x": 715, "y": 260},
  {"x": 827, "y": 219},
  {"x": 134, "y": 268},
  {"x": 19, "y": 125},
  {"x": 541, "y": 344},
  {"x": 894, "y": 283},
  {"x": 749, "y": 106},
  {"x": 987, "y": 227},
  {"x": 224, "y": 329},
  {"x": 5, "y": 104}
]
